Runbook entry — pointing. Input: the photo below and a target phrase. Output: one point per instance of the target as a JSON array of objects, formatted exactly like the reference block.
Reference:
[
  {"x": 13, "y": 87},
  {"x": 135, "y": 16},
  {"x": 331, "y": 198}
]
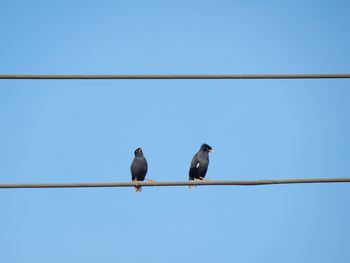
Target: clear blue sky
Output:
[{"x": 81, "y": 130}]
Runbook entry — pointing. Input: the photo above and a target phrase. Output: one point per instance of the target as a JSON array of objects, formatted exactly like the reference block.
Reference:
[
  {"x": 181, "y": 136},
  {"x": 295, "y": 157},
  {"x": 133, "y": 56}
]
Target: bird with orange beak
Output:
[
  {"x": 200, "y": 163},
  {"x": 139, "y": 169}
]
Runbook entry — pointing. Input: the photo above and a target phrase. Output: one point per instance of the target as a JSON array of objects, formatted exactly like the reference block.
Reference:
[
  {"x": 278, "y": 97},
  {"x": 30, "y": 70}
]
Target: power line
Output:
[
  {"x": 174, "y": 76},
  {"x": 177, "y": 183}
]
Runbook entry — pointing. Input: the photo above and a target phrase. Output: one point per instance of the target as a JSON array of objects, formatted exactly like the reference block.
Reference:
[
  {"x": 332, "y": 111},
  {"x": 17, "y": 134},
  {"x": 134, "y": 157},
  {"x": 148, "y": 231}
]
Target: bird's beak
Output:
[{"x": 211, "y": 150}]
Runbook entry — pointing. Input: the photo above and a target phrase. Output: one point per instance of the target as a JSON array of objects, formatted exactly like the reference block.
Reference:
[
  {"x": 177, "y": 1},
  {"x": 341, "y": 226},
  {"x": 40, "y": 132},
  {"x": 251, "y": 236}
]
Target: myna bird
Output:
[
  {"x": 200, "y": 163},
  {"x": 139, "y": 168}
]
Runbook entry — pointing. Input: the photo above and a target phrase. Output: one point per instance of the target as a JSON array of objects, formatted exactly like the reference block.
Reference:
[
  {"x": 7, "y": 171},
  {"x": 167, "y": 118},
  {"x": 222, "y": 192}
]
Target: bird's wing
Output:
[
  {"x": 195, "y": 161},
  {"x": 132, "y": 169},
  {"x": 194, "y": 166}
]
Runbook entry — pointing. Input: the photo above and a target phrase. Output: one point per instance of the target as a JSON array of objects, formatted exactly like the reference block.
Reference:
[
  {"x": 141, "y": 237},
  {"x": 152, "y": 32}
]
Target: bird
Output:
[
  {"x": 139, "y": 169},
  {"x": 200, "y": 163}
]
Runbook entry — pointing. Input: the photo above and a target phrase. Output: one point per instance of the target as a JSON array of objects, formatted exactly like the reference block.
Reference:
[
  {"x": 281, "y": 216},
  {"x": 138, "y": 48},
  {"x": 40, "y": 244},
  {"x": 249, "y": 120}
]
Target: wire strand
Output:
[
  {"x": 176, "y": 183},
  {"x": 175, "y": 76}
]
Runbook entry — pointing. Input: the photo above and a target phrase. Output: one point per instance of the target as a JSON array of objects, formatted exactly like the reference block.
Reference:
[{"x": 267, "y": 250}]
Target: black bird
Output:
[
  {"x": 138, "y": 168},
  {"x": 200, "y": 163}
]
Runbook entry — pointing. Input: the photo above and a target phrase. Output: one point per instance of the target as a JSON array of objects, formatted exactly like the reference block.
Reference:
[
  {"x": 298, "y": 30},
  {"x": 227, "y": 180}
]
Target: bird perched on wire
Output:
[
  {"x": 139, "y": 168},
  {"x": 200, "y": 163}
]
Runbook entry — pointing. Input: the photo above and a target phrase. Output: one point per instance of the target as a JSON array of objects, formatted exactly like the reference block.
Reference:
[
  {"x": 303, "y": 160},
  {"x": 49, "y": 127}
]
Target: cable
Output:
[
  {"x": 175, "y": 76},
  {"x": 177, "y": 183}
]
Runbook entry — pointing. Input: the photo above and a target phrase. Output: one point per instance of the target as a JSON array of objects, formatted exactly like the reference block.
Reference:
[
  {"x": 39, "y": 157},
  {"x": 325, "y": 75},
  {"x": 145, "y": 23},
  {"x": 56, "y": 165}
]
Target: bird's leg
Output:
[
  {"x": 205, "y": 179},
  {"x": 152, "y": 181},
  {"x": 135, "y": 181},
  {"x": 192, "y": 185},
  {"x": 196, "y": 179},
  {"x": 137, "y": 189}
]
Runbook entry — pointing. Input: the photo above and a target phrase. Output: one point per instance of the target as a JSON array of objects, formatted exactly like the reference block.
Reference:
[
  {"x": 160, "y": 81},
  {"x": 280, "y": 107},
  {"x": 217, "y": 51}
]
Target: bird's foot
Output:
[
  {"x": 136, "y": 182},
  {"x": 137, "y": 188},
  {"x": 196, "y": 179},
  {"x": 205, "y": 179},
  {"x": 151, "y": 181}
]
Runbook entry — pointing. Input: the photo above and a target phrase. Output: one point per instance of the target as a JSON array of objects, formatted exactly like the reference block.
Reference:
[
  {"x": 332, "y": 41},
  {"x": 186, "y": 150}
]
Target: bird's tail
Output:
[{"x": 137, "y": 189}]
